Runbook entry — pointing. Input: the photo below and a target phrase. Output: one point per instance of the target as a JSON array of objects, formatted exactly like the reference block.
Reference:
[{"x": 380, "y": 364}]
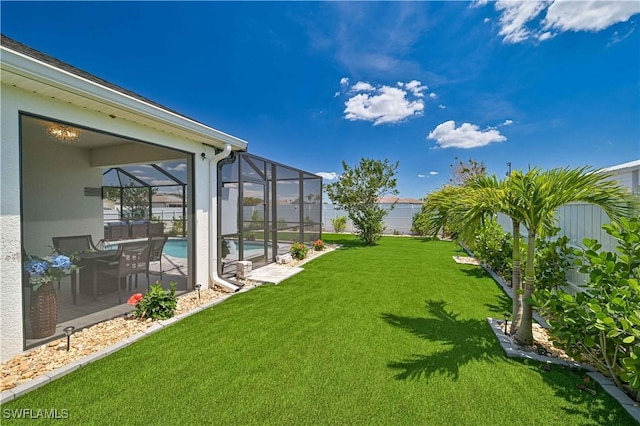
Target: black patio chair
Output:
[{"x": 73, "y": 244}]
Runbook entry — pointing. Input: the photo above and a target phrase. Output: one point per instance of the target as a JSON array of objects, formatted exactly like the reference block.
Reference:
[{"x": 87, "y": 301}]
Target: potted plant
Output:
[{"x": 43, "y": 311}]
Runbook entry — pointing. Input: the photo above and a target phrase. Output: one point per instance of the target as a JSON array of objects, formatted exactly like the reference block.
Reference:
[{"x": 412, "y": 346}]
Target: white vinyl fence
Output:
[
  {"x": 398, "y": 221},
  {"x": 576, "y": 221}
]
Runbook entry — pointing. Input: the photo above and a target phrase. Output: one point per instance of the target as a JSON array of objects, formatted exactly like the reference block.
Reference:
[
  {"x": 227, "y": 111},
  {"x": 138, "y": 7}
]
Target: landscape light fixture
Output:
[
  {"x": 506, "y": 321},
  {"x": 64, "y": 134},
  {"x": 198, "y": 286},
  {"x": 68, "y": 331}
]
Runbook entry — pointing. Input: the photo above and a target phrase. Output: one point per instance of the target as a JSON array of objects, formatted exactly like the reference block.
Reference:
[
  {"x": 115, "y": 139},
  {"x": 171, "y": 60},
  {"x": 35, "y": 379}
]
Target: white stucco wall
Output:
[
  {"x": 53, "y": 197},
  {"x": 14, "y": 100}
]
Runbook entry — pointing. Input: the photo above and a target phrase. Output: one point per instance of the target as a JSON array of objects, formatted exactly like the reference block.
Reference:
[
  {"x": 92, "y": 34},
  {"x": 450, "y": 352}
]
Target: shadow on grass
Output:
[
  {"x": 476, "y": 272},
  {"x": 462, "y": 341},
  {"x": 346, "y": 242},
  {"x": 503, "y": 305},
  {"x": 599, "y": 408}
]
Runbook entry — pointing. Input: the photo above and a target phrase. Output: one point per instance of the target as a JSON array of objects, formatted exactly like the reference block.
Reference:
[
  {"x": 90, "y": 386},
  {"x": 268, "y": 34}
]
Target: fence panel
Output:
[{"x": 398, "y": 221}]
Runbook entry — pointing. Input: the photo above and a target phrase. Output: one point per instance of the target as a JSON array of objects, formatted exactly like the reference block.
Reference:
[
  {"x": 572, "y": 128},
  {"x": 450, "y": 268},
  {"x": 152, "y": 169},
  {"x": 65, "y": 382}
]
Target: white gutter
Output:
[{"x": 213, "y": 221}]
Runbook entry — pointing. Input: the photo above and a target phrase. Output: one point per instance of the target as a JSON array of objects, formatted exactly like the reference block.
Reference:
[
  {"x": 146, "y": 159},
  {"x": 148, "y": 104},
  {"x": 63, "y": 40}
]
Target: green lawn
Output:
[{"x": 384, "y": 335}]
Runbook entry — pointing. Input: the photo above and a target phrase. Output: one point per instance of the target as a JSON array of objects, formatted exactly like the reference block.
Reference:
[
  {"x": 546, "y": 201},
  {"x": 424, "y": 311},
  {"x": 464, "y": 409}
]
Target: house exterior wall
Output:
[
  {"x": 15, "y": 100},
  {"x": 44, "y": 185}
]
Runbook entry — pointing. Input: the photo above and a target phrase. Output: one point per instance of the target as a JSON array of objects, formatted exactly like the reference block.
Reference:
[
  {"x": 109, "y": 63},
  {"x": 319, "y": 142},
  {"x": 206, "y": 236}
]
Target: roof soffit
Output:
[{"x": 34, "y": 76}]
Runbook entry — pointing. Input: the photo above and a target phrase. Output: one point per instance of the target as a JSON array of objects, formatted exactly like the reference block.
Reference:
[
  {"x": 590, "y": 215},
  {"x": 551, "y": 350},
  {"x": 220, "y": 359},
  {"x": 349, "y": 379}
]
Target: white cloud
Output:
[
  {"x": 416, "y": 88},
  {"x": 522, "y": 20},
  {"x": 182, "y": 166},
  {"x": 466, "y": 136},
  {"x": 328, "y": 175},
  {"x": 507, "y": 123},
  {"x": 433, "y": 173},
  {"x": 420, "y": 176},
  {"x": 384, "y": 104},
  {"x": 441, "y": 106},
  {"x": 344, "y": 81},
  {"x": 433, "y": 95},
  {"x": 563, "y": 15},
  {"x": 362, "y": 86},
  {"x": 162, "y": 182},
  {"x": 486, "y": 20},
  {"x": 515, "y": 16}
]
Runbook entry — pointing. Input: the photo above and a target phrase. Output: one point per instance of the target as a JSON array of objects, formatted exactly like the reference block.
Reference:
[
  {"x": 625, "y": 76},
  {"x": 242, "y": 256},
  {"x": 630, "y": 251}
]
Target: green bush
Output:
[
  {"x": 553, "y": 260},
  {"x": 177, "y": 227},
  {"x": 602, "y": 324},
  {"x": 339, "y": 223},
  {"x": 493, "y": 247},
  {"x": 157, "y": 303},
  {"x": 419, "y": 224},
  {"x": 298, "y": 251}
]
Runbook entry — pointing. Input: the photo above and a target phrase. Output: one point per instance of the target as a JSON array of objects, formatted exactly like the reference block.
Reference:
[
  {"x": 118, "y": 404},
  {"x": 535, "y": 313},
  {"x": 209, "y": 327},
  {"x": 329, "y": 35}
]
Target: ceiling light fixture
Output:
[{"x": 62, "y": 133}]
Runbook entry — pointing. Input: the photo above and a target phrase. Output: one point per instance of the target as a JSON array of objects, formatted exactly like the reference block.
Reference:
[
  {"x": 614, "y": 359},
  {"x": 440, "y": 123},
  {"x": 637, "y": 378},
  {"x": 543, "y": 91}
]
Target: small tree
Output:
[
  {"x": 358, "y": 191},
  {"x": 462, "y": 172},
  {"x": 339, "y": 223},
  {"x": 135, "y": 200}
]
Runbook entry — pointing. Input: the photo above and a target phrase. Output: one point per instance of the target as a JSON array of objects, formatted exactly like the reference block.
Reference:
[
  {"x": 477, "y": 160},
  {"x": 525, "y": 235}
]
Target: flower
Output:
[
  {"x": 135, "y": 299},
  {"x": 318, "y": 245},
  {"x": 61, "y": 261},
  {"x": 44, "y": 270}
]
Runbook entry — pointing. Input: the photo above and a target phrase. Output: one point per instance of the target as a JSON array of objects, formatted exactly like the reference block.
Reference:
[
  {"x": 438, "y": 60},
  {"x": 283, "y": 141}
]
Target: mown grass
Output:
[{"x": 391, "y": 334}]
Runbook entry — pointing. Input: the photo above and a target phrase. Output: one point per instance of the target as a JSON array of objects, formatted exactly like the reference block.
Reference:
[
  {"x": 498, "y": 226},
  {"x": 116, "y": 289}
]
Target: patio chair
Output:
[
  {"x": 73, "y": 244},
  {"x": 155, "y": 254},
  {"x": 132, "y": 259}
]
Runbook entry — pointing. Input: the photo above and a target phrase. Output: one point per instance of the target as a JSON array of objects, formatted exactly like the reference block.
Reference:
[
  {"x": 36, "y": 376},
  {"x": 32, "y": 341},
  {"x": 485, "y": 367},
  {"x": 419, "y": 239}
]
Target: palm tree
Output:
[
  {"x": 540, "y": 194},
  {"x": 529, "y": 199},
  {"x": 494, "y": 196}
]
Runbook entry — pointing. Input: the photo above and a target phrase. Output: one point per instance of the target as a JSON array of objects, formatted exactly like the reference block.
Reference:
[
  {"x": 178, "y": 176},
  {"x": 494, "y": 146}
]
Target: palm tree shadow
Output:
[{"x": 462, "y": 341}]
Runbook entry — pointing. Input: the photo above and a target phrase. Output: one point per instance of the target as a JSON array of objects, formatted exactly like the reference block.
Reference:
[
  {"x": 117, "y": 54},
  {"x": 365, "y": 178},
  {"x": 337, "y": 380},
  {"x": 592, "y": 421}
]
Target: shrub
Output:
[
  {"x": 420, "y": 223},
  {"x": 602, "y": 324},
  {"x": 177, "y": 227},
  {"x": 318, "y": 245},
  {"x": 157, "y": 303},
  {"x": 339, "y": 223},
  {"x": 553, "y": 259},
  {"x": 298, "y": 251},
  {"x": 493, "y": 247}
]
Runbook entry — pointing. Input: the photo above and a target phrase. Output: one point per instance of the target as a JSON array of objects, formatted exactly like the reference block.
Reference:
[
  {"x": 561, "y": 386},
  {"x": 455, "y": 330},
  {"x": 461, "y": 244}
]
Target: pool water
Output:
[{"x": 176, "y": 248}]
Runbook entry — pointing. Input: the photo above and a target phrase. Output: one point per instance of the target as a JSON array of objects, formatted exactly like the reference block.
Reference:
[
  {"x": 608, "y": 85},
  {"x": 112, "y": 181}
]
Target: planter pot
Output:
[{"x": 43, "y": 312}]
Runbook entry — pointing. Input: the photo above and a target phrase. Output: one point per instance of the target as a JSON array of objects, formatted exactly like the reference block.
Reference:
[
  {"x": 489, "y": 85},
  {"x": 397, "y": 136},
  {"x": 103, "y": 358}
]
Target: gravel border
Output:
[
  {"x": 28, "y": 386},
  {"x": 47, "y": 377}
]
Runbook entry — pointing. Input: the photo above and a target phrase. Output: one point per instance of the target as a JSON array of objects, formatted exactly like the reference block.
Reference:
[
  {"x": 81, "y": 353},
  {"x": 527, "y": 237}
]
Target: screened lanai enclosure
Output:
[
  {"x": 264, "y": 207},
  {"x": 101, "y": 199}
]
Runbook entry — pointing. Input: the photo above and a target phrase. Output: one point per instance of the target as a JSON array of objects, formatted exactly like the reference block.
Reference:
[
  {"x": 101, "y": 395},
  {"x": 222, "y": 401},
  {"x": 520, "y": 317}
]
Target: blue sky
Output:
[{"x": 311, "y": 84}]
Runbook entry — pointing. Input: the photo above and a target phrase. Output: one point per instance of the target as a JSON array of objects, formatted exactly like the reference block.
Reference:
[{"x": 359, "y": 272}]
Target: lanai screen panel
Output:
[{"x": 264, "y": 207}]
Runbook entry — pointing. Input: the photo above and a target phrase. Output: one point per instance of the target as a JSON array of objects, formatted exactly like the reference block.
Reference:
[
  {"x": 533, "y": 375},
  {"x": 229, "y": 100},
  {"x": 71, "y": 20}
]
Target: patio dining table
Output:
[{"x": 89, "y": 269}]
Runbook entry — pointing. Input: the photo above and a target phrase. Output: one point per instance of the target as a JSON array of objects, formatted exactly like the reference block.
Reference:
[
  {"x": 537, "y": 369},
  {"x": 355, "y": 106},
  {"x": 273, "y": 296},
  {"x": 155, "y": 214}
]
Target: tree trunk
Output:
[
  {"x": 524, "y": 335},
  {"x": 516, "y": 279}
]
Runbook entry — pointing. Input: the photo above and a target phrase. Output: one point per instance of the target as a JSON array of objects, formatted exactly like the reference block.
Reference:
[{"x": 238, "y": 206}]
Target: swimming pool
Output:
[{"x": 177, "y": 247}]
